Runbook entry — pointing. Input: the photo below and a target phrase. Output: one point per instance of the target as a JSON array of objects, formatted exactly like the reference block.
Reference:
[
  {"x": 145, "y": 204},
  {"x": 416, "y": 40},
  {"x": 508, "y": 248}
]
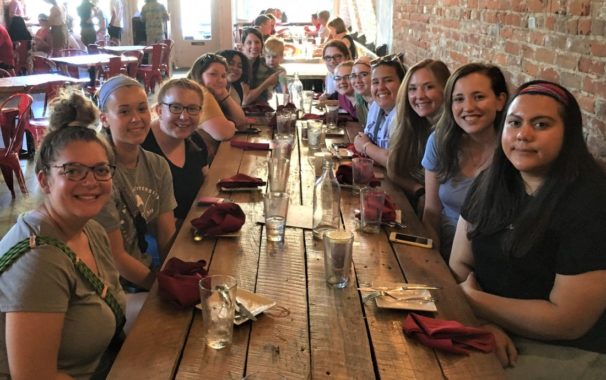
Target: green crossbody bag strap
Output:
[{"x": 100, "y": 288}]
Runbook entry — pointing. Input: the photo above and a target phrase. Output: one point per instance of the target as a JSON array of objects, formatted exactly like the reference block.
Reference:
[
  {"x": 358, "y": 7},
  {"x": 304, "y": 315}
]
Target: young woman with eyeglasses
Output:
[
  {"x": 387, "y": 74},
  {"x": 529, "y": 248},
  {"x": 461, "y": 146},
  {"x": 360, "y": 82},
  {"x": 345, "y": 92},
  {"x": 142, "y": 202},
  {"x": 54, "y": 324},
  {"x": 419, "y": 106},
  {"x": 173, "y": 136},
  {"x": 333, "y": 53}
]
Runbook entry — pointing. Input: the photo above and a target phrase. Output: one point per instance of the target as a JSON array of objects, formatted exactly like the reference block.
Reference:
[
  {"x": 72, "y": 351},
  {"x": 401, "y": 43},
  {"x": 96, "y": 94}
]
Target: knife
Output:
[{"x": 401, "y": 287}]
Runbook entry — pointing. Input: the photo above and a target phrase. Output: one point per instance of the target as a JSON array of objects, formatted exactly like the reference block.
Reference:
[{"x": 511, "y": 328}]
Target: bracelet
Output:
[
  {"x": 224, "y": 99},
  {"x": 364, "y": 148}
]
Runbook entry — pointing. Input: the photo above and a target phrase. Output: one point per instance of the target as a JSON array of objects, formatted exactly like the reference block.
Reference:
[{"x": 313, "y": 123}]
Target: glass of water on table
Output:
[
  {"x": 218, "y": 299},
  {"x": 275, "y": 205}
]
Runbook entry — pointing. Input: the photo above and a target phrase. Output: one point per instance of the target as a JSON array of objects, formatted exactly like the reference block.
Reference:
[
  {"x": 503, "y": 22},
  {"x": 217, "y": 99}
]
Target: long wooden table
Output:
[
  {"x": 327, "y": 333},
  {"x": 90, "y": 61}
]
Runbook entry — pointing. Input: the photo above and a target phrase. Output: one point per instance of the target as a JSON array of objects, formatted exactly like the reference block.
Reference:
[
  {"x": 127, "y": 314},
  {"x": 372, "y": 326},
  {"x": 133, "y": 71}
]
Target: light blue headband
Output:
[{"x": 112, "y": 85}]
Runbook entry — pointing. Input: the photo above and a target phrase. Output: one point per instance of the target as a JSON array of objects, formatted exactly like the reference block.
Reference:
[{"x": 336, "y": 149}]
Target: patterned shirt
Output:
[{"x": 154, "y": 15}]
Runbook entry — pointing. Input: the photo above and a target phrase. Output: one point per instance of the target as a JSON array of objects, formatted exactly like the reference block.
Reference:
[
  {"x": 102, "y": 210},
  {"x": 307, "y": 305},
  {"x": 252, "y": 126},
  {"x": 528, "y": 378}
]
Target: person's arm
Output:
[
  {"x": 219, "y": 128},
  {"x": 461, "y": 257},
  {"x": 166, "y": 232},
  {"x": 365, "y": 145},
  {"x": 433, "y": 206},
  {"x": 230, "y": 106},
  {"x": 574, "y": 305},
  {"x": 129, "y": 267},
  {"x": 34, "y": 335},
  {"x": 254, "y": 93}
]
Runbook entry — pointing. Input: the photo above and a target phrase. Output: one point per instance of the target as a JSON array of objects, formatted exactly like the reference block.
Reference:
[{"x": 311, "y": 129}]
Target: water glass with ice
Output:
[{"x": 218, "y": 299}]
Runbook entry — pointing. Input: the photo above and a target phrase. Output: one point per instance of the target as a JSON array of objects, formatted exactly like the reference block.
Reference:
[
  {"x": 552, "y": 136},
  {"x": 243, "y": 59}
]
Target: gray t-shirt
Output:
[
  {"x": 151, "y": 186},
  {"x": 44, "y": 280}
]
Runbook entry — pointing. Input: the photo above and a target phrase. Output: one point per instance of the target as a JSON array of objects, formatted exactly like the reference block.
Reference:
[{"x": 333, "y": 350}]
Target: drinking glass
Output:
[
  {"x": 276, "y": 210},
  {"x": 338, "y": 246},
  {"x": 372, "y": 201},
  {"x": 218, "y": 299},
  {"x": 278, "y": 174}
]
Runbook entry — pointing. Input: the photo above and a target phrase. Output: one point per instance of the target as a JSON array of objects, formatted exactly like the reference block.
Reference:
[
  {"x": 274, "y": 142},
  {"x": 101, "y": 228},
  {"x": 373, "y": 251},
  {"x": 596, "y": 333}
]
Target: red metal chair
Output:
[
  {"x": 22, "y": 66},
  {"x": 43, "y": 65},
  {"x": 13, "y": 120},
  {"x": 151, "y": 74},
  {"x": 113, "y": 68},
  {"x": 5, "y": 74},
  {"x": 133, "y": 67},
  {"x": 165, "y": 65}
]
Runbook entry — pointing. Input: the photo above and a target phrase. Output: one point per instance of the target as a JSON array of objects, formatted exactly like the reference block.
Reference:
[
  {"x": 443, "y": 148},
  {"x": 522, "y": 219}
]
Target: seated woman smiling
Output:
[
  {"x": 53, "y": 323},
  {"x": 173, "y": 136},
  {"x": 528, "y": 249}
]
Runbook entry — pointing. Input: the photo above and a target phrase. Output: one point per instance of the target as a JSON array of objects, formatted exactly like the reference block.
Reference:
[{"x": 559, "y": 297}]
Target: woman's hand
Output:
[
  {"x": 505, "y": 349},
  {"x": 360, "y": 140},
  {"x": 470, "y": 284}
]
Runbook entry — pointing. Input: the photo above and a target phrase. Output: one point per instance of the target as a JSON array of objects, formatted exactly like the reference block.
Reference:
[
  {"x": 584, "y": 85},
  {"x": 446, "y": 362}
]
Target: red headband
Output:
[{"x": 546, "y": 88}]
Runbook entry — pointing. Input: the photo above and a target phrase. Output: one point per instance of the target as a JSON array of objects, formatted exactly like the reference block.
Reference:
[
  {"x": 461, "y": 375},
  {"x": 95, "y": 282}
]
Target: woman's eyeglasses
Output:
[
  {"x": 333, "y": 58},
  {"x": 339, "y": 78},
  {"x": 177, "y": 109},
  {"x": 77, "y": 172}
]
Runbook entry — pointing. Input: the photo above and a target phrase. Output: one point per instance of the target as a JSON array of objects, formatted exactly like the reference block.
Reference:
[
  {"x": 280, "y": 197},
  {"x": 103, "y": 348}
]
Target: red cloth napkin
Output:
[
  {"x": 312, "y": 116},
  {"x": 179, "y": 279},
  {"x": 389, "y": 211},
  {"x": 344, "y": 175},
  {"x": 247, "y": 145},
  {"x": 219, "y": 219},
  {"x": 450, "y": 336},
  {"x": 241, "y": 180}
]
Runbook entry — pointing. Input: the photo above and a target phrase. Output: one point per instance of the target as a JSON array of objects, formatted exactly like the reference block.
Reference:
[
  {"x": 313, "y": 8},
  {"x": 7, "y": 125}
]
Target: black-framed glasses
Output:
[
  {"x": 339, "y": 78},
  {"x": 333, "y": 58},
  {"x": 177, "y": 109},
  {"x": 77, "y": 172},
  {"x": 361, "y": 75}
]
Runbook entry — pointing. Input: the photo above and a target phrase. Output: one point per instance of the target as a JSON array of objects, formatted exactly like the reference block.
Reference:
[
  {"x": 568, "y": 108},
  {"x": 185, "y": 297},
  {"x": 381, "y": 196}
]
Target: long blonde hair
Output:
[{"x": 407, "y": 144}]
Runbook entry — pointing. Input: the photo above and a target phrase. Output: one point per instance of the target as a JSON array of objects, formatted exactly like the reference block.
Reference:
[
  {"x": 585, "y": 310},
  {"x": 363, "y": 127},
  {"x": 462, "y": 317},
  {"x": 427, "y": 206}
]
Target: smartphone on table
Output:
[{"x": 419, "y": 241}]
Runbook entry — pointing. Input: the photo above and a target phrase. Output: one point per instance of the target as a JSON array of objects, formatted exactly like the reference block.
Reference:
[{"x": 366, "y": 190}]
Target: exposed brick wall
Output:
[{"x": 558, "y": 40}]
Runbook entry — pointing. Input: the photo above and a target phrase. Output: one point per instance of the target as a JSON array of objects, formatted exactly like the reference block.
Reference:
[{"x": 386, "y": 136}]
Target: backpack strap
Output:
[{"x": 97, "y": 284}]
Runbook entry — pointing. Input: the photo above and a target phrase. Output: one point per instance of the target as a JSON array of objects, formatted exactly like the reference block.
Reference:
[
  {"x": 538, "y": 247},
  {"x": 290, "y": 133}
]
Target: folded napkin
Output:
[
  {"x": 344, "y": 175},
  {"x": 312, "y": 116},
  {"x": 345, "y": 117},
  {"x": 179, "y": 279},
  {"x": 389, "y": 211},
  {"x": 247, "y": 145},
  {"x": 450, "y": 336},
  {"x": 220, "y": 219},
  {"x": 241, "y": 180}
]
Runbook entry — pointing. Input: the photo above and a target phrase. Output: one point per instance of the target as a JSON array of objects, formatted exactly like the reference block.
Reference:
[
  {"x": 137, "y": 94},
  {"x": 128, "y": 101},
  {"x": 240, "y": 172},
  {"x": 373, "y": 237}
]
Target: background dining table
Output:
[{"x": 314, "y": 331}]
